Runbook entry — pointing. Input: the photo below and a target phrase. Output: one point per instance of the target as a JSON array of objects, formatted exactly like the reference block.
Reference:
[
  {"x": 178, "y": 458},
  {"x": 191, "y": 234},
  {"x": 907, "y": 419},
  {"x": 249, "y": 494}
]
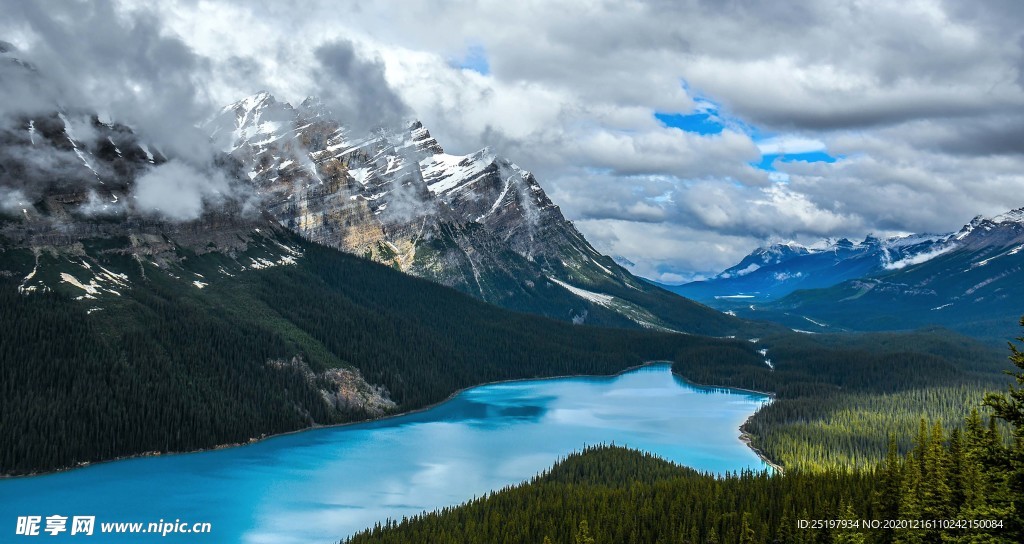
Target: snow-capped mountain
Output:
[
  {"x": 476, "y": 222},
  {"x": 69, "y": 207},
  {"x": 762, "y": 257},
  {"x": 776, "y": 270},
  {"x": 968, "y": 281}
]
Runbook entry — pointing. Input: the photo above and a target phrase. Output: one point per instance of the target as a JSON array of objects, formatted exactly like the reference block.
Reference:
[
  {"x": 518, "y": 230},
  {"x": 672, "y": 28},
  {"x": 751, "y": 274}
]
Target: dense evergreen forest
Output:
[
  {"x": 837, "y": 397},
  {"x": 956, "y": 486},
  {"x": 165, "y": 366}
]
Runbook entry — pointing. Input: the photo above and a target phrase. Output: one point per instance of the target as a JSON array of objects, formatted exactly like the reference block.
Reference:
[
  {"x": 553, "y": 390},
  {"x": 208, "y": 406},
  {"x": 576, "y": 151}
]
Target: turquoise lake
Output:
[{"x": 322, "y": 485}]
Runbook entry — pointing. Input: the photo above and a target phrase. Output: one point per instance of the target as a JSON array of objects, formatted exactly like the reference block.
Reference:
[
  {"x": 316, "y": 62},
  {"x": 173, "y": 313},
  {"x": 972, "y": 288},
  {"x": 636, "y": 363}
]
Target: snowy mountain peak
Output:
[
  {"x": 769, "y": 255},
  {"x": 871, "y": 240},
  {"x": 779, "y": 269},
  {"x": 1012, "y": 216},
  {"x": 394, "y": 176},
  {"x": 255, "y": 120},
  {"x": 252, "y": 103},
  {"x": 422, "y": 139},
  {"x": 261, "y": 97},
  {"x": 476, "y": 222},
  {"x": 779, "y": 252},
  {"x": 784, "y": 247},
  {"x": 969, "y": 227},
  {"x": 825, "y": 244}
]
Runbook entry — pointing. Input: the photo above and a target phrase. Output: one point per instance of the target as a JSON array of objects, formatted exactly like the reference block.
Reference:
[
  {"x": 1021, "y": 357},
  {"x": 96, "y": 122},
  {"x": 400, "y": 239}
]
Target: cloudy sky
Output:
[{"x": 676, "y": 134}]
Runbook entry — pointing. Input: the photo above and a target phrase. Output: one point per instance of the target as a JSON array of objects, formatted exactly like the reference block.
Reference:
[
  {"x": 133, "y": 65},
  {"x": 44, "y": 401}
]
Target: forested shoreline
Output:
[{"x": 953, "y": 485}]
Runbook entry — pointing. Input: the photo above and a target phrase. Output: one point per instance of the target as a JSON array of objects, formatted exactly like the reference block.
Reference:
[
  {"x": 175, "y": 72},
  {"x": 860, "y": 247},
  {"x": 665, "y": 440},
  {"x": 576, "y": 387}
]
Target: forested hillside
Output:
[
  {"x": 837, "y": 397},
  {"x": 166, "y": 365},
  {"x": 952, "y": 486}
]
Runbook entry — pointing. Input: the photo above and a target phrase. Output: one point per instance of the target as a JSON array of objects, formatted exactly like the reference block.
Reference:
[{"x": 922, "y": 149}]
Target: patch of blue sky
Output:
[
  {"x": 767, "y": 162},
  {"x": 813, "y": 156},
  {"x": 475, "y": 59},
  {"x": 707, "y": 119},
  {"x": 699, "y": 123}
]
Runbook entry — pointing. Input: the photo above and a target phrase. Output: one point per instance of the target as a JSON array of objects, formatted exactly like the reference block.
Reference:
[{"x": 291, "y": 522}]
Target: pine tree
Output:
[
  {"x": 957, "y": 467},
  {"x": 910, "y": 499},
  {"x": 935, "y": 490},
  {"x": 583, "y": 534},
  {"x": 785, "y": 531},
  {"x": 747, "y": 535},
  {"x": 848, "y": 535},
  {"x": 889, "y": 493},
  {"x": 1009, "y": 407}
]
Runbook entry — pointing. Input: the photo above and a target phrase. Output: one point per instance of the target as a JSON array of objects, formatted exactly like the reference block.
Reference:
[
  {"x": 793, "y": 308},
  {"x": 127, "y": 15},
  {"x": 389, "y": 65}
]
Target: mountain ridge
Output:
[{"x": 476, "y": 222}]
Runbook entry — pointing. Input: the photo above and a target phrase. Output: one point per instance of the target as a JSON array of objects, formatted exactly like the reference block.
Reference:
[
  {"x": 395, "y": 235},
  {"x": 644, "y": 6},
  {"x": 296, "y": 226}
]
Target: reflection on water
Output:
[{"x": 322, "y": 485}]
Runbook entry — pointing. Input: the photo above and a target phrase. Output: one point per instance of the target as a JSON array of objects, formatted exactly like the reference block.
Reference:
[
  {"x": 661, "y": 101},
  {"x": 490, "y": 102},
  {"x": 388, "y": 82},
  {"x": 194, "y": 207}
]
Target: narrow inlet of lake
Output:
[{"x": 323, "y": 485}]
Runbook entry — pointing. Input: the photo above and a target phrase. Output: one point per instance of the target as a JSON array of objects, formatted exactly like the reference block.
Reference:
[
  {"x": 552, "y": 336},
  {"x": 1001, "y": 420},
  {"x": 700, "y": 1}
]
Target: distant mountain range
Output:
[{"x": 967, "y": 280}]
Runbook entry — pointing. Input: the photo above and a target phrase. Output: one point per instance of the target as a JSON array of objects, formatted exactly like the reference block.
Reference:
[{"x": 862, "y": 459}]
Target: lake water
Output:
[{"x": 323, "y": 485}]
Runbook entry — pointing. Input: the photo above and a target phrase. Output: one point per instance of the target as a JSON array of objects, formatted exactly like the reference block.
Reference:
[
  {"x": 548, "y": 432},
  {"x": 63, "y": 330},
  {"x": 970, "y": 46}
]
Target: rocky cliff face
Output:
[
  {"x": 478, "y": 223},
  {"x": 68, "y": 177}
]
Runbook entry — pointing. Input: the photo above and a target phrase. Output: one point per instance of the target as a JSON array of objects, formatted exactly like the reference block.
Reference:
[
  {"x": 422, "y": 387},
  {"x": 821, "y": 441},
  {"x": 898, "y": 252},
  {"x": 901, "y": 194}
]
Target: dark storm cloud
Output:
[
  {"x": 355, "y": 89},
  {"x": 97, "y": 57},
  {"x": 125, "y": 66},
  {"x": 23, "y": 89},
  {"x": 994, "y": 135},
  {"x": 241, "y": 68}
]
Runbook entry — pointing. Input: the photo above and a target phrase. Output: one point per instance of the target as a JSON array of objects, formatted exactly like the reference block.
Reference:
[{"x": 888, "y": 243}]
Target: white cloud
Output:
[
  {"x": 13, "y": 200},
  {"x": 664, "y": 251},
  {"x": 789, "y": 145},
  {"x": 176, "y": 190},
  {"x": 918, "y": 259}
]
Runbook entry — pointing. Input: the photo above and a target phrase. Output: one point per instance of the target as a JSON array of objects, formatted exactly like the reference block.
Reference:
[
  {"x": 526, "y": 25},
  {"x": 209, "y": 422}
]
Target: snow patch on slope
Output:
[
  {"x": 1012, "y": 216},
  {"x": 25, "y": 288},
  {"x": 597, "y": 298},
  {"x": 445, "y": 173}
]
